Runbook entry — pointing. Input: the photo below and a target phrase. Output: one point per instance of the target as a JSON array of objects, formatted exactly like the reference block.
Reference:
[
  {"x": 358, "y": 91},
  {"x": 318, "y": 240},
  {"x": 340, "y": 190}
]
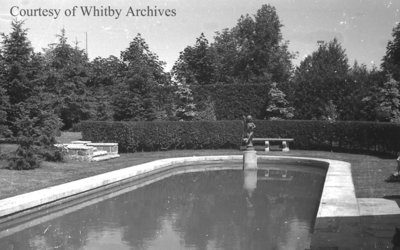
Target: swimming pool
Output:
[{"x": 211, "y": 206}]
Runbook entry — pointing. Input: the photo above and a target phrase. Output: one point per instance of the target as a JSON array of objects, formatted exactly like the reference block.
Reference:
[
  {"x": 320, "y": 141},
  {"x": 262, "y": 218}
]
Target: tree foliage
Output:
[
  {"x": 16, "y": 56},
  {"x": 320, "y": 81},
  {"x": 251, "y": 52},
  {"x": 278, "y": 107},
  {"x": 138, "y": 58},
  {"x": 37, "y": 127},
  {"x": 262, "y": 55},
  {"x": 105, "y": 71},
  {"x": 186, "y": 108},
  {"x": 4, "y": 106},
  {"x": 135, "y": 100},
  {"x": 66, "y": 76},
  {"x": 385, "y": 102},
  {"x": 144, "y": 73},
  {"x": 195, "y": 64},
  {"x": 24, "y": 106},
  {"x": 362, "y": 83},
  {"x": 391, "y": 60}
]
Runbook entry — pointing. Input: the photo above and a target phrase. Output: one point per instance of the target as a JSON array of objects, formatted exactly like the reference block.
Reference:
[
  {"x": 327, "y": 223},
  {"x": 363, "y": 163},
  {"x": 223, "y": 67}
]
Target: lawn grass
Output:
[{"x": 369, "y": 172}]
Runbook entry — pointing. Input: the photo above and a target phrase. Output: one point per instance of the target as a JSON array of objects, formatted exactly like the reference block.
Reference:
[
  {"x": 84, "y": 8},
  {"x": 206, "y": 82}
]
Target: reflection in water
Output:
[
  {"x": 205, "y": 210},
  {"x": 396, "y": 239}
]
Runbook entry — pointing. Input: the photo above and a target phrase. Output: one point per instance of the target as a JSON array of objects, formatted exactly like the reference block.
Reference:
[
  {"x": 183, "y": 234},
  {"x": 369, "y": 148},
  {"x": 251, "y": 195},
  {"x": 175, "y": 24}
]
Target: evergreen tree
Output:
[
  {"x": 105, "y": 72},
  {"x": 144, "y": 73},
  {"x": 16, "y": 54},
  {"x": 102, "y": 99},
  {"x": 66, "y": 76},
  {"x": 135, "y": 100},
  {"x": 391, "y": 60},
  {"x": 37, "y": 127},
  {"x": 139, "y": 58},
  {"x": 278, "y": 107},
  {"x": 31, "y": 120},
  {"x": 186, "y": 109},
  {"x": 4, "y": 106}
]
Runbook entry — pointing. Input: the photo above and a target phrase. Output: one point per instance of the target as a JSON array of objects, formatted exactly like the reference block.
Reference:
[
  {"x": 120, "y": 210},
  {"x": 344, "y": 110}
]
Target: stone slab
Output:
[
  {"x": 80, "y": 142},
  {"x": 377, "y": 206},
  {"x": 102, "y": 144},
  {"x": 98, "y": 153},
  {"x": 78, "y": 146},
  {"x": 105, "y": 157}
]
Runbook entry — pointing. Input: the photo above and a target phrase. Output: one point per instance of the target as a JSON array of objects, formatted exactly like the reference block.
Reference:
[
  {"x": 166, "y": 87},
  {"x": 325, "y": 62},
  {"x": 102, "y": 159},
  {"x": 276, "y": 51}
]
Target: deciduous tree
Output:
[
  {"x": 321, "y": 81},
  {"x": 195, "y": 64},
  {"x": 254, "y": 50},
  {"x": 385, "y": 101}
]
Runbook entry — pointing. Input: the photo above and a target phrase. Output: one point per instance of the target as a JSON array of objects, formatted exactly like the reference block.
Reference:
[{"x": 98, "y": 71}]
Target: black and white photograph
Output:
[{"x": 199, "y": 124}]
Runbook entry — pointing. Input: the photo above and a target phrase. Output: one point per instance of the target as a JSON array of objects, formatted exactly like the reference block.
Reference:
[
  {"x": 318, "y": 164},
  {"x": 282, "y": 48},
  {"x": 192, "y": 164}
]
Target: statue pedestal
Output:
[{"x": 249, "y": 159}]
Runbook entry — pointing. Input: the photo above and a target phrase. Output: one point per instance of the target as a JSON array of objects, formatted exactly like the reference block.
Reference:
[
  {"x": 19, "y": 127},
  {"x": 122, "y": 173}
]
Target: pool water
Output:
[{"x": 272, "y": 208}]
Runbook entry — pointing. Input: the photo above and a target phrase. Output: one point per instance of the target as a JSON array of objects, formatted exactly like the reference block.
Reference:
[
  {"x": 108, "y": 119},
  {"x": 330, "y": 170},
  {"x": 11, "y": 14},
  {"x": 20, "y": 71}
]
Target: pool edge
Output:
[{"x": 332, "y": 203}]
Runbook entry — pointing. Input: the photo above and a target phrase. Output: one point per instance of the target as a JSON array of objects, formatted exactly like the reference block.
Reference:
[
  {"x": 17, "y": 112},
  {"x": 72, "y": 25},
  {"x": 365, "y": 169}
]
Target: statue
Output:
[
  {"x": 395, "y": 177},
  {"x": 249, "y": 155},
  {"x": 248, "y": 128}
]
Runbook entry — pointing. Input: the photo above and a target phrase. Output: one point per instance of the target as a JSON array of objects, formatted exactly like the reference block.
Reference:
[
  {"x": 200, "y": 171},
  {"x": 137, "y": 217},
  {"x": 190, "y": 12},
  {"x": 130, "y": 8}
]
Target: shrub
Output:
[
  {"x": 30, "y": 155},
  {"x": 23, "y": 159},
  {"x": 208, "y": 112},
  {"x": 35, "y": 127}
]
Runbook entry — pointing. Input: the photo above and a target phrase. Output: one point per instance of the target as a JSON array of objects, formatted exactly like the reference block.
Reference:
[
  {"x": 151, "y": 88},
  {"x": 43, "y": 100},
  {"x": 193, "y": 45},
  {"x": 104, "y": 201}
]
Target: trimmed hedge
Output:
[
  {"x": 366, "y": 137},
  {"x": 162, "y": 135},
  {"x": 343, "y": 136}
]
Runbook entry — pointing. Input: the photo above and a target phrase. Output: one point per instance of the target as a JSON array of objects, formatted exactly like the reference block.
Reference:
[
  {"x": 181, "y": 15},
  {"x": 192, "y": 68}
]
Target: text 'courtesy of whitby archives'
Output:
[{"x": 93, "y": 11}]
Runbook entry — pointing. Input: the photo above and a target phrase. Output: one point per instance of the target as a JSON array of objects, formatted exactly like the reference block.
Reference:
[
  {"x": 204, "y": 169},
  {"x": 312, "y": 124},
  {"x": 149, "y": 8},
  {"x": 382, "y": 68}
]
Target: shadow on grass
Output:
[{"x": 395, "y": 198}]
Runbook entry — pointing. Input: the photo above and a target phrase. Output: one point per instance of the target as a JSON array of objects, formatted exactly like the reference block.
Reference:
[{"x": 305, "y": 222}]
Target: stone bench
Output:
[
  {"x": 110, "y": 147},
  {"x": 80, "y": 142},
  {"x": 78, "y": 152},
  {"x": 88, "y": 151},
  {"x": 285, "y": 147}
]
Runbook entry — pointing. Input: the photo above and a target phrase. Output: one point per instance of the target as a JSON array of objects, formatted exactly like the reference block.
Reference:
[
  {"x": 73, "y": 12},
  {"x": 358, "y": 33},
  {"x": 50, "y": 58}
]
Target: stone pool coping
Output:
[{"x": 338, "y": 196}]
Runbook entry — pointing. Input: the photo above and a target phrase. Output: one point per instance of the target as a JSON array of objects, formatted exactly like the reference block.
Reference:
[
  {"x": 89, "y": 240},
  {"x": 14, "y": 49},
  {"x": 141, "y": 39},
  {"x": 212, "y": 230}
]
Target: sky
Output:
[{"x": 362, "y": 26}]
